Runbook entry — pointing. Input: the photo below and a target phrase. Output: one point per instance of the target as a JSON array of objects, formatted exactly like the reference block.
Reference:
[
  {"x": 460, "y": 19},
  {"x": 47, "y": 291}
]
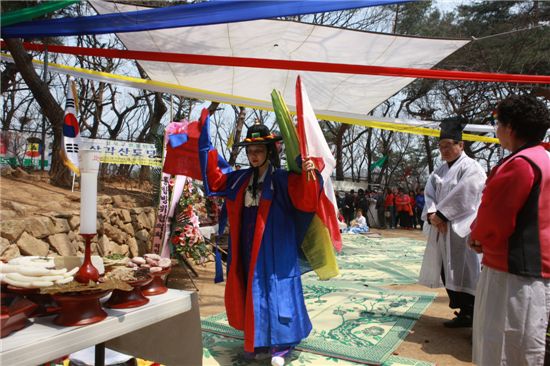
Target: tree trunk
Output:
[
  {"x": 429, "y": 155},
  {"x": 59, "y": 174},
  {"x": 338, "y": 141},
  {"x": 237, "y": 137},
  {"x": 369, "y": 155}
]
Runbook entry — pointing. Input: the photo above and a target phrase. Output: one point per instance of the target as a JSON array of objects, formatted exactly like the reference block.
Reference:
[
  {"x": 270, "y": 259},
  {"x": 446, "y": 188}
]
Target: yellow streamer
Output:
[{"x": 248, "y": 102}]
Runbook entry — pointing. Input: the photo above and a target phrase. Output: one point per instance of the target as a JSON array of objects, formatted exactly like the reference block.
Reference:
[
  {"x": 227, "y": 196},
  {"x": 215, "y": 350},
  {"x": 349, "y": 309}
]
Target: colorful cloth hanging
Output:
[
  {"x": 23, "y": 15},
  {"x": 211, "y": 12}
]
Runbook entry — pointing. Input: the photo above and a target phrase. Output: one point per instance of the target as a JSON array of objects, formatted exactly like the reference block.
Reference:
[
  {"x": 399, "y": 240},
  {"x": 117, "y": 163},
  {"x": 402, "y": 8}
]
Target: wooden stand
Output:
[{"x": 80, "y": 308}]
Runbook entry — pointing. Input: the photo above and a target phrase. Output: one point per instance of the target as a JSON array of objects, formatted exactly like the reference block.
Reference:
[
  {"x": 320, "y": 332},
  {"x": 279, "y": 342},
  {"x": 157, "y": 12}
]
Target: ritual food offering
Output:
[
  {"x": 24, "y": 275},
  {"x": 151, "y": 261},
  {"x": 115, "y": 260}
]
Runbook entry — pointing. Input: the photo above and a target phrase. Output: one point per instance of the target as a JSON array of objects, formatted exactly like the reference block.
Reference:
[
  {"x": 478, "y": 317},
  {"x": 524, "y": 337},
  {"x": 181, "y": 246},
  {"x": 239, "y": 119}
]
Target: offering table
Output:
[{"x": 166, "y": 330}]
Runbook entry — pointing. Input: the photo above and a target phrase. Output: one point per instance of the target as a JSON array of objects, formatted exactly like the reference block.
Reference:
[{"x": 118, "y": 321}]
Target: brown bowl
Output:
[
  {"x": 46, "y": 305},
  {"x": 15, "y": 316},
  {"x": 129, "y": 299},
  {"x": 80, "y": 308},
  {"x": 156, "y": 286}
]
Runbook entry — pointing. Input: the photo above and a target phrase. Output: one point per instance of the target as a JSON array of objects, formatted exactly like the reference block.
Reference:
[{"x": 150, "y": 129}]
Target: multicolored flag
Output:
[
  {"x": 318, "y": 150},
  {"x": 71, "y": 131}
]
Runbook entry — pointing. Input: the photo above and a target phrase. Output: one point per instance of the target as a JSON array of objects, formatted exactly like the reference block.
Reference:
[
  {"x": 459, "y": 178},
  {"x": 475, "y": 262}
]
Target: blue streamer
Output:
[{"x": 205, "y": 13}]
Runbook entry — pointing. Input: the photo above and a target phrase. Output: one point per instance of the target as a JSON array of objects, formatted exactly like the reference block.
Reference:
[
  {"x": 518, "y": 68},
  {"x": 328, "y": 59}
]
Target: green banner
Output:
[
  {"x": 378, "y": 163},
  {"x": 288, "y": 130},
  {"x": 22, "y": 15}
]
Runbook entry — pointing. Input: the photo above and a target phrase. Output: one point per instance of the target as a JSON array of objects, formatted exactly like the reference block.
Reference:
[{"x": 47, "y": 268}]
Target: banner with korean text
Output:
[{"x": 124, "y": 152}]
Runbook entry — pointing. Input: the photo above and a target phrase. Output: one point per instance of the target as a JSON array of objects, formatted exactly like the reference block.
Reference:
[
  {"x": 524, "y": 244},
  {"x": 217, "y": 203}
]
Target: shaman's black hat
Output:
[
  {"x": 451, "y": 128},
  {"x": 259, "y": 134}
]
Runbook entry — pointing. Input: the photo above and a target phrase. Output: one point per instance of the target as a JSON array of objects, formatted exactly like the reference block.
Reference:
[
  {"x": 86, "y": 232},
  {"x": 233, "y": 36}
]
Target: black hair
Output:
[{"x": 526, "y": 116}]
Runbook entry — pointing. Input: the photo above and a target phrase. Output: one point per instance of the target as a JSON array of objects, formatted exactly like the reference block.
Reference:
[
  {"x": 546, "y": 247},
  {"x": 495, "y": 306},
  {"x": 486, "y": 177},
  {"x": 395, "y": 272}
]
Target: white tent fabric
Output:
[
  {"x": 394, "y": 124},
  {"x": 334, "y": 96}
]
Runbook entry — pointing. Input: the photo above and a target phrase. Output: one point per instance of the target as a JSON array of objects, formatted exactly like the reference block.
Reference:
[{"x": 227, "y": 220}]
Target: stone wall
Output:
[{"x": 121, "y": 229}]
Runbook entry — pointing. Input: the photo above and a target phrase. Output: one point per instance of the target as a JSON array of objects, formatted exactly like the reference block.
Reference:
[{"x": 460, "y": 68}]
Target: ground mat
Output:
[{"x": 350, "y": 321}]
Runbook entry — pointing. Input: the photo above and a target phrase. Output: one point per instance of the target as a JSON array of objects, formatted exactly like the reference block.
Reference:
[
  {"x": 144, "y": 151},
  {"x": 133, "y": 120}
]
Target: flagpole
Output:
[
  {"x": 72, "y": 187},
  {"x": 42, "y": 157}
]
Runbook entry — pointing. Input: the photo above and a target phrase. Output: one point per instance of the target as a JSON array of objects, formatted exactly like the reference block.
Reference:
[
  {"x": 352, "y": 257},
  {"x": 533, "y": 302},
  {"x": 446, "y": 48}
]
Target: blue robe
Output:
[{"x": 269, "y": 307}]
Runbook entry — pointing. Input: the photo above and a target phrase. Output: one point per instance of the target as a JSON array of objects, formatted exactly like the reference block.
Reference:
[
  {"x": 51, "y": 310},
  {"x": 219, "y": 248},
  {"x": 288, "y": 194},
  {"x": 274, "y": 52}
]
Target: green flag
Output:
[
  {"x": 22, "y": 15},
  {"x": 288, "y": 130},
  {"x": 378, "y": 163}
]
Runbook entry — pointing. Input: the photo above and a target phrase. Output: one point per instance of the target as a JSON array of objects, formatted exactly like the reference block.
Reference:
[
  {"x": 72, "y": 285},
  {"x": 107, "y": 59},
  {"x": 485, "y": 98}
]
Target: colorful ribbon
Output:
[
  {"x": 292, "y": 65},
  {"x": 186, "y": 15},
  {"x": 22, "y": 15}
]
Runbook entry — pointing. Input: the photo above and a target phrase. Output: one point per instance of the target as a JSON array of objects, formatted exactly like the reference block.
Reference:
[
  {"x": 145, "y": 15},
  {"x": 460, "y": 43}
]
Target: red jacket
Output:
[
  {"x": 513, "y": 221},
  {"x": 403, "y": 203},
  {"x": 389, "y": 200}
]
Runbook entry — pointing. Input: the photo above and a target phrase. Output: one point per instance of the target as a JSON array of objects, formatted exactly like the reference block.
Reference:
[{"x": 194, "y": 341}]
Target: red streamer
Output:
[{"x": 292, "y": 65}]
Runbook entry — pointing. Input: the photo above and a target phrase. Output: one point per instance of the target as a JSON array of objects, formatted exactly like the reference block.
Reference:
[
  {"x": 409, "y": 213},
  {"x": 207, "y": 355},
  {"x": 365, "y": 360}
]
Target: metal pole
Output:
[{"x": 42, "y": 154}]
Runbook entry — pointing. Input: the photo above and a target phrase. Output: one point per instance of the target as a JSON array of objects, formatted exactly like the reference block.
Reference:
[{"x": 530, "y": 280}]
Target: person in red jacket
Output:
[
  {"x": 512, "y": 230},
  {"x": 389, "y": 204},
  {"x": 403, "y": 208}
]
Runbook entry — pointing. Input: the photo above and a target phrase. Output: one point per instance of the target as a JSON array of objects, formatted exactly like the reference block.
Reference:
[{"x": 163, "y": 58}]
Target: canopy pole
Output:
[{"x": 43, "y": 152}]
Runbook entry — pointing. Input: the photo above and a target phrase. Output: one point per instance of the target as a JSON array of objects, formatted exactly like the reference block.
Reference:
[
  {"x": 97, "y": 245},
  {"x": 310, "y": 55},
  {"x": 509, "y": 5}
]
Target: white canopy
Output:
[{"x": 334, "y": 96}]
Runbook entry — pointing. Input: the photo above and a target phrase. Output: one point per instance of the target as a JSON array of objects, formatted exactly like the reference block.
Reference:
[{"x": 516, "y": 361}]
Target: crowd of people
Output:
[{"x": 393, "y": 208}]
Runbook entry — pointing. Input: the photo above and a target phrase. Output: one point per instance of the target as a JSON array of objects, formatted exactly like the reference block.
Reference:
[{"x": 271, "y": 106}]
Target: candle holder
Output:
[{"x": 87, "y": 271}]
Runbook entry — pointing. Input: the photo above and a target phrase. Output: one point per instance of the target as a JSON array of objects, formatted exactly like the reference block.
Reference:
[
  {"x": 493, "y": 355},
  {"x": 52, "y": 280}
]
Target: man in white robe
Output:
[{"x": 452, "y": 193}]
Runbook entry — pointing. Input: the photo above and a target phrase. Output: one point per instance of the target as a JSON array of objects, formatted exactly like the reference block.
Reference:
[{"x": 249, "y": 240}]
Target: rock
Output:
[
  {"x": 63, "y": 215},
  {"x": 74, "y": 222},
  {"x": 72, "y": 236},
  {"x": 12, "y": 229},
  {"x": 61, "y": 225},
  {"x": 143, "y": 221},
  {"x": 4, "y": 244},
  {"x": 52, "y": 206},
  {"x": 62, "y": 244},
  {"x": 12, "y": 251},
  {"x": 17, "y": 207},
  {"x": 104, "y": 200},
  {"x": 142, "y": 238},
  {"x": 6, "y": 170},
  {"x": 115, "y": 233},
  {"x": 128, "y": 229},
  {"x": 125, "y": 216},
  {"x": 118, "y": 201},
  {"x": 20, "y": 173},
  {"x": 8, "y": 214},
  {"x": 29, "y": 245},
  {"x": 136, "y": 210},
  {"x": 152, "y": 218},
  {"x": 39, "y": 226},
  {"x": 73, "y": 196},
  {"x": 120, "y": 249},
  {"x": 116, "y": 221},
  {"x": 106, "y": 246},
  {"x": 133, "y": 247}
]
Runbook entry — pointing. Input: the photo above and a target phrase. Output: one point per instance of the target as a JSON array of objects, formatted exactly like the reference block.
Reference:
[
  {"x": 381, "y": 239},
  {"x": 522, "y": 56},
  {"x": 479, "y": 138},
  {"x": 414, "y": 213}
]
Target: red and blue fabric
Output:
[
  {"x": 70, "y": 126},
  {"x": 269, "y": 305}
]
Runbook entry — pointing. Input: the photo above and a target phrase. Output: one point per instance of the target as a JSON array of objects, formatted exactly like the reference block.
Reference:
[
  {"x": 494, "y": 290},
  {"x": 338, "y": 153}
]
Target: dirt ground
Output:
[{"x": 429, "y": 340}]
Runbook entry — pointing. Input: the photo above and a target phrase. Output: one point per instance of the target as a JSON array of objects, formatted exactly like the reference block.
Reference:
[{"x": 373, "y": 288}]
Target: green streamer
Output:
[
  {"x": 288, "y": 130},
  {"x": 22, "y": 15}
]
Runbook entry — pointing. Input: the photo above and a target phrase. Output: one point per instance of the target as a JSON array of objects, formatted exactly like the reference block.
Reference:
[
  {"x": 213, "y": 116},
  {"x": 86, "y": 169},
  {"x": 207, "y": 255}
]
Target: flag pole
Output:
[
  {"x": 301, "y": 129},
  {"x": 72, "y": 187}
]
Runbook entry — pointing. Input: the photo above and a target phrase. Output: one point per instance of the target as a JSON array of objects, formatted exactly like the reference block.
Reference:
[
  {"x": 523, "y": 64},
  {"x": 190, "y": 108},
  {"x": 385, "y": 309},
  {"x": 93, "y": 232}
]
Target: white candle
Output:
[{"x": 89, "y": 167}]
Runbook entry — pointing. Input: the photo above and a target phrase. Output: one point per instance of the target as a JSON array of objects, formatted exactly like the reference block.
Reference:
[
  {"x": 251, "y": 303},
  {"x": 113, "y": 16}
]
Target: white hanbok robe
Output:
[{"x": 456, "y": 193}]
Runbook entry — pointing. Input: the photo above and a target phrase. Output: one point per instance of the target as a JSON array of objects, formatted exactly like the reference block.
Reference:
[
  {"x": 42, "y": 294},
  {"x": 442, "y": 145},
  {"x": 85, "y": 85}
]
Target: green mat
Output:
[
  {"x": 219, "y": 350},
  {"x": 379, "y": 262},
  {"x": 350, "y": 321}
]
